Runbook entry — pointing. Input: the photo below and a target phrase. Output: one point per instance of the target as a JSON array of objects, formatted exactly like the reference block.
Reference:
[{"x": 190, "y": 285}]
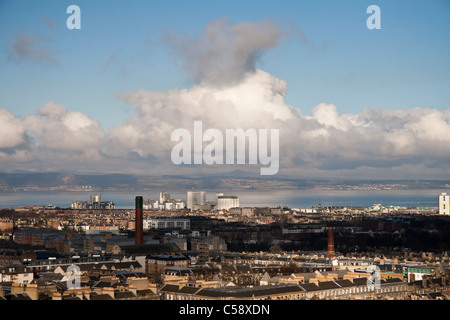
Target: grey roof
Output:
[
  {"x": 124, "y": 295},
  {"x": 122, "y": 265},
  {"x": 71, "y": 298},
  {"x": 101, "y": 284},
  {"x": 309, "y": 286},
  {"x": 246, "y": 292},
  {"x": 17, "y": 296},
  {"x": 436, "y": 295},
  {"x": 96, "y": 296},
  {"x": 127, "y": 274},
  {"x": 177, "y": 289},
  {"x": 359, "y": 281},
  {"x": 344, "y": 283},
  {"x": 243, "y": 268},
  {"x": 328, "y": 285},
  {"x": 61, "y": 286},
  {"x": 144, "y": 292},
  {"x": 146, "y": 249},
  {"x": 82, "y": 266},
  {"x": 392, "y": 281}
]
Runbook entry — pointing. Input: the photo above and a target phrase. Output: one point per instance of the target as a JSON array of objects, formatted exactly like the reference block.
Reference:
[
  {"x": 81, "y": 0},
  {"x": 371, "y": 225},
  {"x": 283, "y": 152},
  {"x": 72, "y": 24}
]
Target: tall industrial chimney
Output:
[
  {"x": 139, "y": 235},
  {"x": 331, "y": 252}
]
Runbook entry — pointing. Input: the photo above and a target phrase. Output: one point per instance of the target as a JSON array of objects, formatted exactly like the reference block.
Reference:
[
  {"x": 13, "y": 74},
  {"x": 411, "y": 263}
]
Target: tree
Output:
[{"x": 275, "y": 249}]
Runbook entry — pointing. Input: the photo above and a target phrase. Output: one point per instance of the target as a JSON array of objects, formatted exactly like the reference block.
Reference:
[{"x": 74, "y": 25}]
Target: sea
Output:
[{"x": 124, "y": 199}]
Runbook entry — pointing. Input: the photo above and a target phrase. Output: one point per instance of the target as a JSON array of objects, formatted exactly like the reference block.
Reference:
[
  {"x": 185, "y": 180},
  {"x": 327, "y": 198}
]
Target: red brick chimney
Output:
[
  {"x": 331, "y": 252},
  {"x": 139, "y": 235}
]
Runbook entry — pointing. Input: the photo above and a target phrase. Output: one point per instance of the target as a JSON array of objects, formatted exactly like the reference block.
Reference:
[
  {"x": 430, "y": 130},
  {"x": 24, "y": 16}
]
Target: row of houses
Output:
[
  {"x": 336, "y": 289},
  {"x": 164, "y": 271},
  {"x": 58, "y": 287},
  {"x": 135, "y": 286},
  {"x": 101, "y": 239}
]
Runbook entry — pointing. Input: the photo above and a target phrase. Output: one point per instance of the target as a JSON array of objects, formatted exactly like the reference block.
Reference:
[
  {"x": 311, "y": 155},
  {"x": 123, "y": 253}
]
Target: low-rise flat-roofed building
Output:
[
  {"x": 227, "y": 202},
  {"x": 167, "y": 223}
]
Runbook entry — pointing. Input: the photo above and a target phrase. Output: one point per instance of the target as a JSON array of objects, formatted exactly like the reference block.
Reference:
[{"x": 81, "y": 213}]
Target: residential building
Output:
[
  {"x": 6, "y": 224},
  {"x": 167, "y": 223},
  {"x": 156, "y": 264}
]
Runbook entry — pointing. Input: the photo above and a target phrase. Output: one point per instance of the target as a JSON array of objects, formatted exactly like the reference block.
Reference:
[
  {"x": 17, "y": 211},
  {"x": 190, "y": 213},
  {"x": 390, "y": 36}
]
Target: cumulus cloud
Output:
[
  {"x": 224, "y": 54},
  {"x": 52, "y": 139},
  {"x": 14, "y": 142},
  {"x": 12, "y": 132},
  {"x": 57, "y": 128},
  {"x": 372, "y": 144},
  {"x": 327, "y": 141}
]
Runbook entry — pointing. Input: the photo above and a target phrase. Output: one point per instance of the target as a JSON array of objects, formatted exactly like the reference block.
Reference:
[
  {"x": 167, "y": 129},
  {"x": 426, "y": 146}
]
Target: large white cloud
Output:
[
  {"x": 12, "y": 132},
  {"x": 327, "y": 140},
  {"x": 400, "y": 143},
  {"x": 57, "y": 128}
]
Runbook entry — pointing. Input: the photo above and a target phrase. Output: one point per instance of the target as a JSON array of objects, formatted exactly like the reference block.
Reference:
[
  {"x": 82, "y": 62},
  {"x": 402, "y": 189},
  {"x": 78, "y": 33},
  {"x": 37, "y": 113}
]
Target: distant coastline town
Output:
[
  {"x": 54, "y": 182},
  {"x": 239, "y": 184}
]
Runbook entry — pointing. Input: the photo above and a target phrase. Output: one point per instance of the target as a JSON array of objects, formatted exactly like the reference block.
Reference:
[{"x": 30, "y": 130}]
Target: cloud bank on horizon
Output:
[{"x": 230, "y": 92}]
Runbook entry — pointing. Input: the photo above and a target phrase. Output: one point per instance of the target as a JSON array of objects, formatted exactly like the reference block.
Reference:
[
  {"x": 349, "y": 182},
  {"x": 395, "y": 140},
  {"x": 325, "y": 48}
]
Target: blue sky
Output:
[
  {"x": 333, "y": 59},
  {"x": 403, "y": 65}
]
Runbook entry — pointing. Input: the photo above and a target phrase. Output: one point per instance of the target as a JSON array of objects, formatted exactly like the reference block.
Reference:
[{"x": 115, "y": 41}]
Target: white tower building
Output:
[
  {"x": 195, "y": 198},
  {"x": 444, "y": 204}
]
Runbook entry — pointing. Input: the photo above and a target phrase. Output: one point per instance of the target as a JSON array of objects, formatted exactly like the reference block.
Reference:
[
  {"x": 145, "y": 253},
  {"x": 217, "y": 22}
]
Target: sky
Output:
[{"x": 348, "y": 101}]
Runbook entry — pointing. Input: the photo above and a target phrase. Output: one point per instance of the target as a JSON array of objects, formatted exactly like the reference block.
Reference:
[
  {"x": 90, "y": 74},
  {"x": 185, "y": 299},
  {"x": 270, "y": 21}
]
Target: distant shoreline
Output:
[{"x": 299, "y": 198}]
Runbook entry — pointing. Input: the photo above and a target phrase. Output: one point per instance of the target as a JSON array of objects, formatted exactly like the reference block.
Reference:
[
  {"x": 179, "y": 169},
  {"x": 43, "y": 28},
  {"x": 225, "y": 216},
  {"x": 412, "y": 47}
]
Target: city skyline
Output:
[
  {"x": 241, "y": 253},
  {"x": 348, "y": 101}
]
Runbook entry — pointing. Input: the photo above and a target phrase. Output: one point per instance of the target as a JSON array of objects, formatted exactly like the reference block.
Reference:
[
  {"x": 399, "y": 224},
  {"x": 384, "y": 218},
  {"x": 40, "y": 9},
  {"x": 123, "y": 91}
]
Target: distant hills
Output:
[{"x": 233, "y": 180}]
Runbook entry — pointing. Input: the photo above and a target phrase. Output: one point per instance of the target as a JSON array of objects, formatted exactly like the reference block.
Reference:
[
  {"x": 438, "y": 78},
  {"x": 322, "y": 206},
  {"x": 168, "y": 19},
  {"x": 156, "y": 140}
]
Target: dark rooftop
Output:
[
  {"x": 176, "y": 288},
  {"x": 96, "y": 296},
  {"x": 148, "y": 249},
  {"x": 245, "y": 292}
]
